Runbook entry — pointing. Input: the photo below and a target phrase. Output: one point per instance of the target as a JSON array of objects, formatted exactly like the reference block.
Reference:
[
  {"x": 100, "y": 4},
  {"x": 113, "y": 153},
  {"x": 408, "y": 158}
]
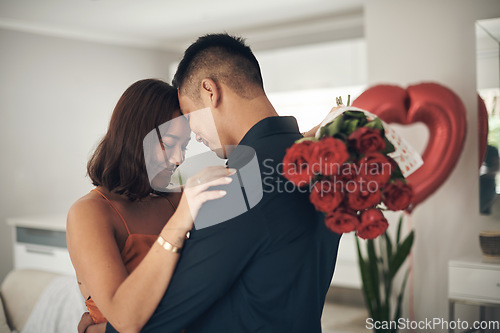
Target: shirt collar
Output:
[
  {"x": 269, "y": 126},
  {"x": 266, "y": 127}
]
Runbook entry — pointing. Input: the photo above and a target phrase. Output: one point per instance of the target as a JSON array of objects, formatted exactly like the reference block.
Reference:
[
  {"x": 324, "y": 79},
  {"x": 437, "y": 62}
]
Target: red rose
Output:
[
  {"x": 397, "y": 195},
  {"x": 328, "y": 155},
  {"x": 362, "y": 195},
  {"x": 296, "y": 166},
  {"x": 348, "y": 172},
  {"x": 366, "y": 140},
  {"x": 325, "y": 196},
  {"x": 375, "y": 167},
  {"x": 373, "y": 224},
  {"x": 342, "y": 220}
]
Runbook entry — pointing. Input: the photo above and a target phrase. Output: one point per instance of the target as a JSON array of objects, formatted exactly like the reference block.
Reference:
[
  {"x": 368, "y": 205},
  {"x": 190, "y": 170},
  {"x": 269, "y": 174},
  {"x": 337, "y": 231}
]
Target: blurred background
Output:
[{"x": 63, "y": 66}]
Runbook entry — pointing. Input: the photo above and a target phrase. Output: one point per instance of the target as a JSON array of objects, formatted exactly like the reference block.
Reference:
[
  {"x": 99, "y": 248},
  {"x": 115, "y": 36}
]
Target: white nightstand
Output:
[
  {"x": 474, "y": 282},
  {"x": 40, "y": 243}
]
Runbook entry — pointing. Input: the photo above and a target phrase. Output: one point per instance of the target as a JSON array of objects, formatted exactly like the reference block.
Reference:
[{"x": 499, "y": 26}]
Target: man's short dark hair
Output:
[{"x": 222, "y": 58}]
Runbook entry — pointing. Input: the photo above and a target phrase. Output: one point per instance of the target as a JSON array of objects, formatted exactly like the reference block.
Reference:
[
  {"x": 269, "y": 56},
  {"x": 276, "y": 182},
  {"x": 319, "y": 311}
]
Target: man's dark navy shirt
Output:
[{"x": 266, "y": 270}]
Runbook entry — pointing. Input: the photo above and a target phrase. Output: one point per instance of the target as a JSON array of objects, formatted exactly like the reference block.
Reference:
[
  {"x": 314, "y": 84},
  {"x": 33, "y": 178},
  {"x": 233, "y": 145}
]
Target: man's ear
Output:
[{"x": 210, "y": 92}]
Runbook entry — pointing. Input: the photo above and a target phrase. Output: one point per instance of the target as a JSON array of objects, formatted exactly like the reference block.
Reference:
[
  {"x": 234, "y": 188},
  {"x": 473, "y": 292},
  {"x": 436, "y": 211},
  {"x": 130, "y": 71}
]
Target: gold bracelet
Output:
[{"x": 167, "y": 246}]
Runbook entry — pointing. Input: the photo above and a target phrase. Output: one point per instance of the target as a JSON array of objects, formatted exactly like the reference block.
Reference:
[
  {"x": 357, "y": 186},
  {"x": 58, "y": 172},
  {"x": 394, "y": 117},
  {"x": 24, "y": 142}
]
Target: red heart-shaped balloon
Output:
[{"x": 440, "y": 109}]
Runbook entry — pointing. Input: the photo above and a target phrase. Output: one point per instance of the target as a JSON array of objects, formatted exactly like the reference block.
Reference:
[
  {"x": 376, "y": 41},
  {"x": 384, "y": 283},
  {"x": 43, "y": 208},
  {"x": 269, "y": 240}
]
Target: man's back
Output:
[{"x": 283, "y": 287}]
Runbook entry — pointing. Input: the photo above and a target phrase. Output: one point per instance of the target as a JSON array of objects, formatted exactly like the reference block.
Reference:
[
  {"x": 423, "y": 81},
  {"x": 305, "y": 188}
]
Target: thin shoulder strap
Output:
[
  {"x": 173, "y": 206},
  {"x": 116, "y": 210}
]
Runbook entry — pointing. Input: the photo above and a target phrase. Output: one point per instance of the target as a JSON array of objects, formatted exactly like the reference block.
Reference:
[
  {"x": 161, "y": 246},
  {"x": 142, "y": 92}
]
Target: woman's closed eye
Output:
[{"x": 166, "y": 146}]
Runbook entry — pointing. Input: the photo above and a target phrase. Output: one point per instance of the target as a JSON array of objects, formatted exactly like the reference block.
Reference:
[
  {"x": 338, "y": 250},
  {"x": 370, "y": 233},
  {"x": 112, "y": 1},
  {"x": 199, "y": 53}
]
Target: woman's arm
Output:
[
  {"x": 128, "y": 301},
  {"x": 311, "y": 132}
]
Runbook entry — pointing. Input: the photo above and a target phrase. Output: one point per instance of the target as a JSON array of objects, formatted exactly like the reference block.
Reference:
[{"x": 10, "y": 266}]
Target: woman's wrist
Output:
[
  {"x": 174, "y": 236},
  {"x": 176, "y": 230},
  {"x": 311, "y": 132},
  {"x": 167, "y": 246},
  {"x": 181, "y": 219}
]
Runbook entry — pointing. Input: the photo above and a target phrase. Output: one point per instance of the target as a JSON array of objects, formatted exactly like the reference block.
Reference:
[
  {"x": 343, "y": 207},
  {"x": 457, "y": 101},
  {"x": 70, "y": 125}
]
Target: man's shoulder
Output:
[{"x": 276, "y": 143}]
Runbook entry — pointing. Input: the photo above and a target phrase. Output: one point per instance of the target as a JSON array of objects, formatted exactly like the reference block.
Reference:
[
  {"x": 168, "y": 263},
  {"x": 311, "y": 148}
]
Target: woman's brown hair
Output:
[{"x": 118, "y": 161}]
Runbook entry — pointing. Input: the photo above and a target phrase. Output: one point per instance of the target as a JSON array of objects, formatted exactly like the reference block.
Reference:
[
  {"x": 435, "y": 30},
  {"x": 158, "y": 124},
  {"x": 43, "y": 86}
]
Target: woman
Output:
[{"x": 124, "y": 237}]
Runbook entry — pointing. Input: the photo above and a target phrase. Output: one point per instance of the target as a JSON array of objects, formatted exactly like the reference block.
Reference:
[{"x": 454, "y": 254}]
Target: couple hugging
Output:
[{"x": 144, "y": 264}]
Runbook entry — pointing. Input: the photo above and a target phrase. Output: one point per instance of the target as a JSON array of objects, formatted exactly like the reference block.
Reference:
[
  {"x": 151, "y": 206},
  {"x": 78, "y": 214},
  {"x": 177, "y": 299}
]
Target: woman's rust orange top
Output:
[{"x": 135, "y": 249}]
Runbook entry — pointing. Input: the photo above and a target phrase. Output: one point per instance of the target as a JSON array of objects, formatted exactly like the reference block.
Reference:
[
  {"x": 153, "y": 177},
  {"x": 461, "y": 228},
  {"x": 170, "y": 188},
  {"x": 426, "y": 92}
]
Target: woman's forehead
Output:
[{"x": 177, "y": 127}]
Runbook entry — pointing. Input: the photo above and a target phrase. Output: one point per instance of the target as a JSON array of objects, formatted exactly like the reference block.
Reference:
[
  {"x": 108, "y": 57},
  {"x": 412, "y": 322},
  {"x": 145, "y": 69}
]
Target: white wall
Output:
[
  {"x": 316, "y": 66},
  {"x": 56, "y": 97},
  {"x": 414, "y": 41},
  {"x": 487, "y": 60}
]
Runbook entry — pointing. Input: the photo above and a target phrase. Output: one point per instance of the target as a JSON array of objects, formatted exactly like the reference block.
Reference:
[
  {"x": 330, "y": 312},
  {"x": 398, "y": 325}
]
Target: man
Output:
[{"x": 266, "y": 269}]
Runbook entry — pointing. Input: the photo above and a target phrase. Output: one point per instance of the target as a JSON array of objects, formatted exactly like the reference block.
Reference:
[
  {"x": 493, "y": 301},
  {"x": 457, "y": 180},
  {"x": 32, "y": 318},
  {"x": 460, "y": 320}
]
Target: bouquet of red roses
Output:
[{"x": 350, "y": 174}]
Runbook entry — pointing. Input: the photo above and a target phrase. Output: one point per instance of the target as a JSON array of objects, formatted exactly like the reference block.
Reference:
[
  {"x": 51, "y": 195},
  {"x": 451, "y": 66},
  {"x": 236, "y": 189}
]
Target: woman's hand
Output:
[
  {"x": 85, "y": 322},
  {"x": 86, "y": 325},
  {"x": 198, "y": 190}
]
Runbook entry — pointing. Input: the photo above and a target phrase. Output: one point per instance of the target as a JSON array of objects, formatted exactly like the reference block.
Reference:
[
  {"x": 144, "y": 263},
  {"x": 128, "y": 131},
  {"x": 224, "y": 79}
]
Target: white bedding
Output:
[{"x": 59, "y": 308}]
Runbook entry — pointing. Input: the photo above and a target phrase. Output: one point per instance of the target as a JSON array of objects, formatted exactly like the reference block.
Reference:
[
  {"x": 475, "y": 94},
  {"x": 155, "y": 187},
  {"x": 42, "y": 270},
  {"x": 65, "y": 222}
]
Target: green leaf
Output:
[
  {"x": 389, "y": 147},
  {"x": 396, "y": 172},
  {"x": 341, "y": 136},
  {"x": 322, "y": 132},
  {"x": 384, "y": 312},
  {"x": 387, "y": 280},
  {"x": 398, "y": 233},
  {"x": 387, "y": 260},
  {"x": 397, "y": 313},
  {"x": 317, "y": 178},
  {"x": 362, "y": 122},
  {"x": 373, "y": 268},
  {"x": 368, "y": 291},
  {"x": 332, "y": 128},
  {"x": 388, "y": 244},
  {"x": 306, "y": 139},
  {"x": 354, "y": 114},
  {"x": 376, "y": 124},
  {"x": 401, "y": 254},
  {"x": 350, "y": 126}
]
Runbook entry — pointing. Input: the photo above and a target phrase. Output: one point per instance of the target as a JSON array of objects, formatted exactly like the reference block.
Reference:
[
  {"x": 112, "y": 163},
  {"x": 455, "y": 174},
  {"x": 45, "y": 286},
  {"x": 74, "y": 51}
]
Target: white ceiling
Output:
[{"x": 172, "y": 25}]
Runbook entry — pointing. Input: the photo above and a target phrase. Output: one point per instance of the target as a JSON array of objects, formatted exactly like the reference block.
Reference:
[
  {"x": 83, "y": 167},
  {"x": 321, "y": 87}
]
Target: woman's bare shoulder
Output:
[{"x": 88, "y": 211}]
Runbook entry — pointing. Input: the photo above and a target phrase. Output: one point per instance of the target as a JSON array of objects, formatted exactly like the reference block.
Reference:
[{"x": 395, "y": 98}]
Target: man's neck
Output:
[{"x": 253, "y": 111}]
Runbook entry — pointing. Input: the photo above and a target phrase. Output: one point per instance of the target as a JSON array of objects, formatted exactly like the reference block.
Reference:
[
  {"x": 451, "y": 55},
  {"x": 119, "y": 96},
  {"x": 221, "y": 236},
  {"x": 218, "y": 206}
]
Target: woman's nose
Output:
[{"x": 176, "y": 157}]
